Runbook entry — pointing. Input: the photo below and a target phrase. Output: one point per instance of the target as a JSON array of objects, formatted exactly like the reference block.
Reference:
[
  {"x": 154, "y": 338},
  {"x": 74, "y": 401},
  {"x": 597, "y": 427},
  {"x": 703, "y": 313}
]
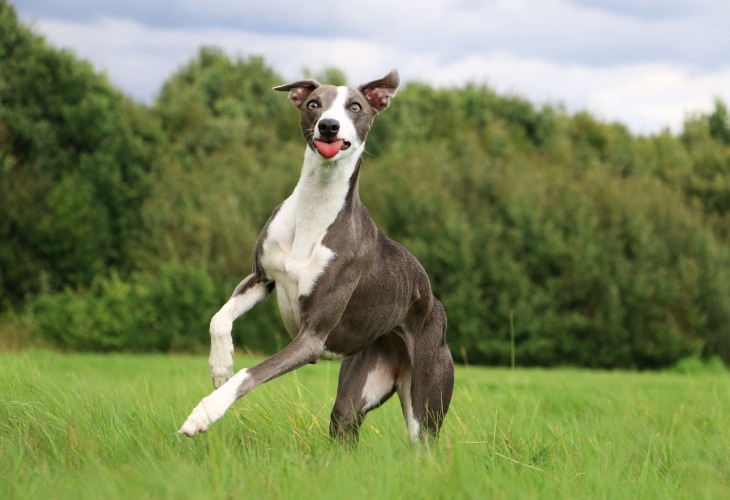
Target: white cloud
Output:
[
  {"x": 140, "y": 58},
  {"x": 590, "y": 32},
  {"x": 645, "y": 97},
  {"x": 646, "y": 70}
]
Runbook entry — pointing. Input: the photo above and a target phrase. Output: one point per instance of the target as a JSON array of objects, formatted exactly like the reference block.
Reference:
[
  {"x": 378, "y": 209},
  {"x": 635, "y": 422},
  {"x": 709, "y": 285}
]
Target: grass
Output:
[{"x": 95, "y": 426}]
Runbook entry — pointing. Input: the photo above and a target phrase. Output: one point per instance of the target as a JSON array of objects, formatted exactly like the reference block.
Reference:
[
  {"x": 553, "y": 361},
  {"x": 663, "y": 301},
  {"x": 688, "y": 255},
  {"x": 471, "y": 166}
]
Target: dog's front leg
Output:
[
  {"x": 305, "y": 348},
  {"x": 321, "y": 312},
  {"x": 247, "y": 294}
]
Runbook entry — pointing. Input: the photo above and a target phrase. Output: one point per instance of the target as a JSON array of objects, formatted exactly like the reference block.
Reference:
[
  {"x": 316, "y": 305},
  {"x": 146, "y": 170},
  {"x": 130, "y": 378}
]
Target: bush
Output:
[
  {"x": 167, "y": 311},
  {"x": 696, "y": 366},
  {"x": 164, "y": 312}
]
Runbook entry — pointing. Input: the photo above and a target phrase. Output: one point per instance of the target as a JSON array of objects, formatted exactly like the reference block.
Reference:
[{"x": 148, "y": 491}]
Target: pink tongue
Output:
[{"x": 328, "y": 149}]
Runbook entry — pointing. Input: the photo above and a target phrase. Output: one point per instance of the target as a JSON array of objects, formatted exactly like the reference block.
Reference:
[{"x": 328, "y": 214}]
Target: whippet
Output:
[{"x": 343, "y": 288}]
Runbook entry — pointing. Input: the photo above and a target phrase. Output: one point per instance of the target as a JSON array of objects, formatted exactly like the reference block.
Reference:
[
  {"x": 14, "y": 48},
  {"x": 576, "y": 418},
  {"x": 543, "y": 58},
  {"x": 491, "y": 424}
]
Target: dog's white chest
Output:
[
  {"x": 293, "y": 253},
  {"x": 295, "y": 266}
]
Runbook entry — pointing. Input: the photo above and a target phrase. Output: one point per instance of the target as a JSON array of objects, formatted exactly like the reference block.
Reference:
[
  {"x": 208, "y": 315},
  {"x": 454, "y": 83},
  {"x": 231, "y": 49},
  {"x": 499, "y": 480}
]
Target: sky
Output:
[{"x": 645, "y": 63}]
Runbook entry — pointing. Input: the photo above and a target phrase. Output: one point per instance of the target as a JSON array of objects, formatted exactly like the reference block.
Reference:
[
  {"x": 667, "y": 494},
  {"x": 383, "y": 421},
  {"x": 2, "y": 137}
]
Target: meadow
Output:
[{"x": 104, "y": 426}]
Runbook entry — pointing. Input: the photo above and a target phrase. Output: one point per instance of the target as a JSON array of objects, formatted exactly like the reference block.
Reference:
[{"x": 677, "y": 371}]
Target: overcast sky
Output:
[{"x": 645, "y": 63}]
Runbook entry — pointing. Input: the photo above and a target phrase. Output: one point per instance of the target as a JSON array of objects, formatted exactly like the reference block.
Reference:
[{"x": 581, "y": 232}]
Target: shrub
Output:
[{"x": 164, "y": 312}]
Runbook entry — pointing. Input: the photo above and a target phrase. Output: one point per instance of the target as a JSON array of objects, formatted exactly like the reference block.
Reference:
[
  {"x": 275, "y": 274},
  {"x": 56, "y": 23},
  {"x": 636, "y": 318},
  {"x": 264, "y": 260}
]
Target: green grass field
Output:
[{"x": 94, "y": 426}]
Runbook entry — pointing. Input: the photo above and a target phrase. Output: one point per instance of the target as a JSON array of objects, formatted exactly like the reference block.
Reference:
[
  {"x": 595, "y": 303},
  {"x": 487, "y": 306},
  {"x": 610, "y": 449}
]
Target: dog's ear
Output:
[
  {"x": 299, "y": 91},
  {"x": 379, "y": 92}
]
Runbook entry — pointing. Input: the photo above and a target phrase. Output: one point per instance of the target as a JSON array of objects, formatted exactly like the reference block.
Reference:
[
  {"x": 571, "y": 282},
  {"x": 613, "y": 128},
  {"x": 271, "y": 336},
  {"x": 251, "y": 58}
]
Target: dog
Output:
[{"x": 343, "y": 288}]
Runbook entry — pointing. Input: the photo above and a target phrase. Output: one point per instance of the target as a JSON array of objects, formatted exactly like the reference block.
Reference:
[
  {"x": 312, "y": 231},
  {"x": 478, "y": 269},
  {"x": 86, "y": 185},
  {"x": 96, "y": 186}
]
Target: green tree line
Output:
[{"x": 124, "y": 226}]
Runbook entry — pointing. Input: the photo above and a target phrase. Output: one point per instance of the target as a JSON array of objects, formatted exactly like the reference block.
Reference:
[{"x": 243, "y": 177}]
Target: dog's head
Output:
[{"x": 335, "y": 120}]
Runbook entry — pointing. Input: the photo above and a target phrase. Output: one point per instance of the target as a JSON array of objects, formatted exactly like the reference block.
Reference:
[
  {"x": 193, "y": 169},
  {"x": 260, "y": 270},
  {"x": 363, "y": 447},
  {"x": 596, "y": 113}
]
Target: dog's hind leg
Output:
[
  {"x": 432, "y": 379},
  {"x": 247, "y": 294},
  {"x": 432, "y": 387},
  {"x": 367, "y": 380}
]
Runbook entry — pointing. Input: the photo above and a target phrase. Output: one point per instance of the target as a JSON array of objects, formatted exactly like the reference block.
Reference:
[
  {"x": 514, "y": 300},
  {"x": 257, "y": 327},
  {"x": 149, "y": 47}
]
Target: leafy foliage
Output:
[
  {"x": 125, "y": 226},
  {"x": 167, "y": 312},
  {"x": 75, "y": 158}
]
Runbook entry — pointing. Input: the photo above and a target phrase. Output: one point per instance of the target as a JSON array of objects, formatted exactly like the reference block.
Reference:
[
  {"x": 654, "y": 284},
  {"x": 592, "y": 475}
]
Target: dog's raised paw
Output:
[{"x": 197, "y": 422}]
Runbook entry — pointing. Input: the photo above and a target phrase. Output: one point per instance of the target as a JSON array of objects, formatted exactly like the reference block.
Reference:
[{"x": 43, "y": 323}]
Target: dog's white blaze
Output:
[
  {"x": 338, "y": 112},
  {"x": 378, "y": 383},
  {"x": 213, "y": 406}
]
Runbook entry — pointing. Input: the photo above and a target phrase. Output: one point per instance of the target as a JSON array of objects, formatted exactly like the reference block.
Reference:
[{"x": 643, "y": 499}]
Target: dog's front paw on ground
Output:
[{"x": 197, "y": 422}]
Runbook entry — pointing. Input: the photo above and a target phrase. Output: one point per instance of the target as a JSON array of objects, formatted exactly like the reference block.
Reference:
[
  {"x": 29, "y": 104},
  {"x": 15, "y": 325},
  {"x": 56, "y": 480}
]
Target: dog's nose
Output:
[{"x": 328, "y": 127}]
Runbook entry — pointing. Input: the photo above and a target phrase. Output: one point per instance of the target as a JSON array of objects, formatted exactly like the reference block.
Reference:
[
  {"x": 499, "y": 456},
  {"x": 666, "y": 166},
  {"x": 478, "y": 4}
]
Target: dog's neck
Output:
[
  {"x": 330, "y": 181},
  {"x": 322, "y": 172},
  {"x": 325, "y": 187}
]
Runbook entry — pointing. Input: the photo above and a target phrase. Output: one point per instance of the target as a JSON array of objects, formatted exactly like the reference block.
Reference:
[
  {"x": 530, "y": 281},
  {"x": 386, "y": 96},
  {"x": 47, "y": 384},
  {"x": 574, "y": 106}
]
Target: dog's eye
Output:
[
  {"x": 355, "y": 107},
  {"x": 312, "y": 105}
]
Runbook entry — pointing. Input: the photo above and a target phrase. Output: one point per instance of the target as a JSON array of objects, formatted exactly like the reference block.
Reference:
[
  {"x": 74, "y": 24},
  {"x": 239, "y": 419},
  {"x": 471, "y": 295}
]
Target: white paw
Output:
[
  {"x": 197, "y": 422},
  {"x": 212, "y": 407}
]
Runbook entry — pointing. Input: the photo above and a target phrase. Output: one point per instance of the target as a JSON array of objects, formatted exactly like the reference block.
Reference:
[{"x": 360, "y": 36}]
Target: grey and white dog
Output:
[{"x": 342, "y": 286}]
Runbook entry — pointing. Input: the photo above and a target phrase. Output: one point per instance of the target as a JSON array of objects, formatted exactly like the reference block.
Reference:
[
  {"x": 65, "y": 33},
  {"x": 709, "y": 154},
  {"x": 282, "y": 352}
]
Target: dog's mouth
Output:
[{"x": 330, "y": 149}]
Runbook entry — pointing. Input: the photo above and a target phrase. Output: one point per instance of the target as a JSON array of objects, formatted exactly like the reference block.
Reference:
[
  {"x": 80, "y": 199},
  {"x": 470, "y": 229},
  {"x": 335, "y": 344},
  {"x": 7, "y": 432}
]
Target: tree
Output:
[{"x": 76, "y": 157}]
